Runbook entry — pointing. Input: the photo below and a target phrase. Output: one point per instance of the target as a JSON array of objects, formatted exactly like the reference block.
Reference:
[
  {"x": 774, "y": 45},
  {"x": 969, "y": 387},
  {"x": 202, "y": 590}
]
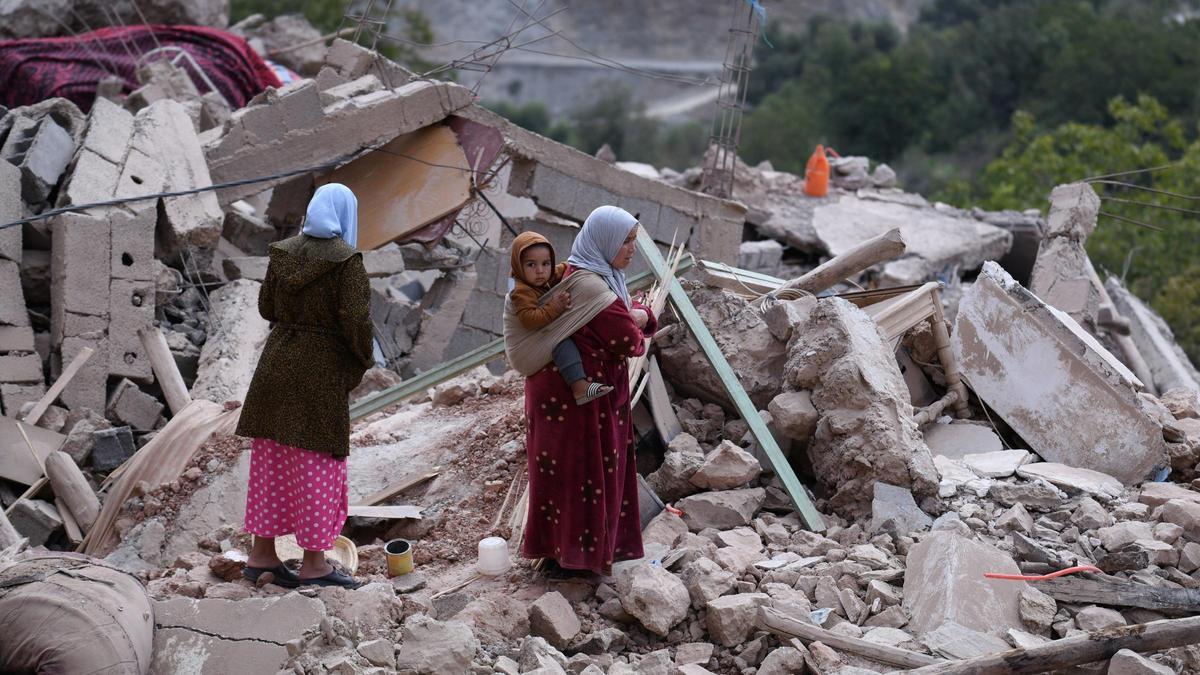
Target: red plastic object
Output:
[
  {"x": 816, "y": 175},
  {"x": 1043, "y": 577}
]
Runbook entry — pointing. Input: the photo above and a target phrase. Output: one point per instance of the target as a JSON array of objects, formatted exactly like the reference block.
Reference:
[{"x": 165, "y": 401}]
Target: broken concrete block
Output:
[
  {"x": 1062, "y": 272},
  {"x": 35, "y": 519},
  {"x": 1040, "y": 495},
  {"x": 1037, "y": 610},
  {"x": 211, "y": 636},
  {"x": 1157, "y": 494},
  {"x": 552, "y": 617},
  {"x": 761, "y": 256},
  {"x": 80, "y": 268},
  {"x": 1129, "y": 662},
  {"x": 246, "y": 230},
  {"x": 782, "y": 316},
  {"x": 1017, "y": 519},
  {"x": 11, "y": 208},
  {"x": 959, "y": 439},
  {"x": 12, "y": 298},
  {"x": 251, "y": 268},
  {"x": 42, "y": 157},
  {"x": 998, "y": 464},
  {"x": 1185, "y": 514},
  {"x": 732, "y": 618},
  {"x": 383, "y": 262},
  {"x": 1090, "y": 515},
  {"x": 88, "y": 389},
  {"x": 16, "y": 396},
  {"x": 866, "y": 433},
  {"x": 652, "y": 595},
  {"x": 93, "y": 179},
  {"x": 893, "y": 510},
  {"x": 794, "y": 414},
  {"x": 1116, "y": 537},
  {"x": 133, "y": 407},
  {"x": 132, "y": 245},
  {"x": 721, "y": 510},
  {"x": 111, "y": 448},
  {"x": 955, "y": 641},
  {"x": 726, "y": 467},
  {"x": 1169, "y": 365},
  {"x": 706, "y": 580},
  {"x": 131, "y": 309},
  {"x": 380, "y": 653},
  {"x": 1182, "y": 402},
  {"x": 430, "y": 647},
  {"x": 1036, "y": 367},
  {"x": 236, "y": 335},
  {"x": 109, "y": 127},
  {"x": 1098, "y": 618},
  {"x": 442, "y": 309},
  {"x": 1073, "y": 480},
  {"x": 21, "y": 368},
  {"x": 943, "y": 582},
  {"x": 755, "y": 355}
]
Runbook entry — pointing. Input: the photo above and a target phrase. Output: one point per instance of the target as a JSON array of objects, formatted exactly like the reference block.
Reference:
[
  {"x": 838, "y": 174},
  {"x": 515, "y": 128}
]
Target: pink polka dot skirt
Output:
[{"x": 296, "y": 491}]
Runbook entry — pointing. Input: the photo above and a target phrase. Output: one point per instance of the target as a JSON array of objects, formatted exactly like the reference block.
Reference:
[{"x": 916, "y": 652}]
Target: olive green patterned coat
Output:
[{"x": 317, "y": 295}]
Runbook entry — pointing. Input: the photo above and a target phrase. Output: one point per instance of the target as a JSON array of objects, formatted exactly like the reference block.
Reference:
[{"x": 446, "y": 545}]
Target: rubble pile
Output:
[{"x": 973, "y": 399}]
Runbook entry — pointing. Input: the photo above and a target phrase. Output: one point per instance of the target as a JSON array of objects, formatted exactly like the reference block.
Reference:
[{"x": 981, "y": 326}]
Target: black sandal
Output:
[
  {"x": 280, "y": 575},
  {"x": 334, "y": 578}
]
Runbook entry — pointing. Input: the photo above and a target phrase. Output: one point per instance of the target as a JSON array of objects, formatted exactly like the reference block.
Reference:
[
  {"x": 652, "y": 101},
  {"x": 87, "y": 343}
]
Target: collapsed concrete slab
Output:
[
  {"x": 936, "y": 239},
  {"x": 442, "y": 310},
  {"x": 944, "y": 582},
  {"x": 865, "y": 433},
  {"x": 1062, "y": 273},
  {"x": 1169, "y": 366},
  {"x": 236, "y": 335},
  {"x": 1037, "y": 368}
]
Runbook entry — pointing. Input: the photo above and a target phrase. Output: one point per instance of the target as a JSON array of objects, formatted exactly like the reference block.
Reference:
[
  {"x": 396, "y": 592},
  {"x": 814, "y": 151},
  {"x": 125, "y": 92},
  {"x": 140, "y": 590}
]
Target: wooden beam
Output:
[
  {"x": 746, "y": 409},
  {"x": 71, "y": 488},
  {"x": 417, "y": 385},
  {"x": 57, "y": 388},
  {"x": 396, "y": 488},
  {"x": 165, "y": 370},
  {"x": 665, "y": 419},
  {"x": 878, "y": 249},
  {"x": 786, "y": 627},
  {"x": 74, "y": 534},
  {"x": 1087, "y": 648},
  {"x": 391, "y": 512},
  {"x": 740, "y": 281},
  {"x": 1106, "y": 590}
]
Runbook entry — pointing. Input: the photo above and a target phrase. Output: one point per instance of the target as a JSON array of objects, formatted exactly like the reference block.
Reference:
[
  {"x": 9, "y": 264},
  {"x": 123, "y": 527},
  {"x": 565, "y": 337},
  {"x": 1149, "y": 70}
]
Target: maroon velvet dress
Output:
[{"x": 583, "y": 494}]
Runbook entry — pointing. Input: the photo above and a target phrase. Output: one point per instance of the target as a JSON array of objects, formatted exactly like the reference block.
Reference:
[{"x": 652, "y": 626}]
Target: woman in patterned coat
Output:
[{"x": 297, "y": 409}]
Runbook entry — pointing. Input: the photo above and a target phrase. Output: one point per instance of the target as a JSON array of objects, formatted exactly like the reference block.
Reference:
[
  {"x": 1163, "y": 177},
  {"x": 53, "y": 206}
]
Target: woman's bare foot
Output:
[
  {"x": 586, "y": 392},
  {"x": 262, "y": 554}
]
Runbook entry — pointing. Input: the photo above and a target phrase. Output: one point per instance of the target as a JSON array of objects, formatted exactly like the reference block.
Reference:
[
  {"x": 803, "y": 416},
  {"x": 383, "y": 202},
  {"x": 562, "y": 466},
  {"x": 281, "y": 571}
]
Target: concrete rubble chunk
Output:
[
  {"x": 381, "y": 653},
  {"x": 131, "y": 406},
  {"x": 726, "y": 467},
  {"x": 430, "y": 647},
  {"x": 21, "y": 368},
  {"x": 955, "y": 641},
  {"x": 1092, "y": 618},
  {"x": 1016, "y": 518},
  {"x": 35, "y": 519},
  {"x": 866, "y": 433},
  {"x": 732, "y": 618},
  {"x": 44, "y": 156},
  {"x": 11, "y": 209},
  {"x": 12, "y": 300},
  {"x": 1073, "y": 480},
  {"x": 1185, "y": 514},
  {"x": 1037, "y": 610},
  {"x": 943, "y": 583},
  {"x": 999, "y": 464},
  {"x": 536, "y": 653},
  {"x": 1129, "y": 662},
  {"x": 221, "y": 636},
  {"x": 1035, "y": 367},
  {"x": 672, "y": 480},
  {"x": 1039, "y": 495},
  {"x": 1157, "y": 494},
  {"x": 721, "y": 510},
  {"x": 1169, "y": 365},
  {"x": 794, "y": 414},
  {"x": 1090, "y": 515},
  {"x": 893, "y": 510},
  {"x": 957, "y": 440},
  {"x": 1116, "y": 537},
  {"x": 552, "y": 617},
  {"x": 654, "y": 596},
  {"x": 890, "y": 637},
  {"x": 1182, "y": 402},
  {"x": 666, "y": 529},
  {"x": 755, "y": 355},
  {"x": 252, "y": 268},
  {"x": 705, "y": 580},
  {"x": 442, "y": 309},
  {"x": 236, "y": 335},
  {"x": 1062, "y": 272},
  {"x": 111, "y": 447}
]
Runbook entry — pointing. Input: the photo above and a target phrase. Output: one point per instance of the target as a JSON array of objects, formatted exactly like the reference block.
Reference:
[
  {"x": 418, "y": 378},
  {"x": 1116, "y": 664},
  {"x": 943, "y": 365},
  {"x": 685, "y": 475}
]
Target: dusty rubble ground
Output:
[{"x": 1075, "y": 441}]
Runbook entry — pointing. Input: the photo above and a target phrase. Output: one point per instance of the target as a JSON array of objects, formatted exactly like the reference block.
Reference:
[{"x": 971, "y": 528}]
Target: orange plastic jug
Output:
[{"x": 816, "y": 175}]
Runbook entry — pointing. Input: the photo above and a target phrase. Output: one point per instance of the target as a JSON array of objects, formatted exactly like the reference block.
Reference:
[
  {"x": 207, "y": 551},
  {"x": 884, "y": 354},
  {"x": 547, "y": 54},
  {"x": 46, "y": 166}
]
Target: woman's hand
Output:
[
  {"x": 640, "y": 317},
  {"x": 560, "y": 302}
]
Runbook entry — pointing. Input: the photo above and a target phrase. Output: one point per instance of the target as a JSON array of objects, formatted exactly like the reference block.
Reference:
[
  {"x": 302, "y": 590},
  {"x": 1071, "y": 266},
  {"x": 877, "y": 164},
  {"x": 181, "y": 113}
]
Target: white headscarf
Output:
[
  {"x": 333, "y": 212},
  {"x": 598, "y": 242}
]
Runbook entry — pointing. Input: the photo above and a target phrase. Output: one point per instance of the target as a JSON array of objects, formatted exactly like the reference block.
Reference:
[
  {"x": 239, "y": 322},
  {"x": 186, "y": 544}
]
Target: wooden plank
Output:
[
  {"x": 897, "y": 315},
  {"x": 417, "y": 385},
  {"x": 1106, "y": 590},
  {"x": 786, "y": 627},
  {"x": 740, "y": 281},
  {"x": 395, "y": 489},
  {"x": 1072, "y": 651},
  {"x": 878, "y": 249},
  {"x": 665, "y": 419},
  {"x": 74, "y": 534},
  {"x": 396, "y": 512},
  {"x": 746, "y": 409},
  {"x": 165, "y": 370},
  {"x": 57, "y": 388},
  {"x": 21, "y": 461}
]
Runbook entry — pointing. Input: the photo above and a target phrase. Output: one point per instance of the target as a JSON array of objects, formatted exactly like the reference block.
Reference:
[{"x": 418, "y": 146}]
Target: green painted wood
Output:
[
  {"x": 476, "y": 357},
  {"x": 687, "y": 312}
]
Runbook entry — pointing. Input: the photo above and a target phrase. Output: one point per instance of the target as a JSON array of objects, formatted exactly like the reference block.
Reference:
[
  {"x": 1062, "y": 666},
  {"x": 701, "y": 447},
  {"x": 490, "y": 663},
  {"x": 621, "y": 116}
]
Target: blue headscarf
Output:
[
  {"x": 333, "y": 212},
  {"x": 598, "y": 242}
]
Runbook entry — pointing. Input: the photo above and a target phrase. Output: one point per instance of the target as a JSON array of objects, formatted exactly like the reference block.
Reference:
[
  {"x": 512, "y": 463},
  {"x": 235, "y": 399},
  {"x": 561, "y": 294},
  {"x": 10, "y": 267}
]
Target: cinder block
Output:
[
  {"x": 16, "y": 339},
  {"x": 12, "y": 208},
  {"x": 86, "y": 325},
  {"x": 112, "y": 447},
  {"x": 130, "y": 405},
  {"x": 16, "y": 395},
  {"x": 133, "y": 245},
  {"x": 141, "y": 174},
  {"x": 21, "y": 369},
  {"x": 80, "y": 267},
  {"x": 12, "y": 298},
  {"x": 35, "y": 519},
  {"x": 94, "y": 179},
  {"x": 88, "y": 388},
  {"x": 108, "y": 131},
  {"x": 132, "y": 308},
  {"x": 299, "y": 104},
  {"x": 44, "y": 160}
]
